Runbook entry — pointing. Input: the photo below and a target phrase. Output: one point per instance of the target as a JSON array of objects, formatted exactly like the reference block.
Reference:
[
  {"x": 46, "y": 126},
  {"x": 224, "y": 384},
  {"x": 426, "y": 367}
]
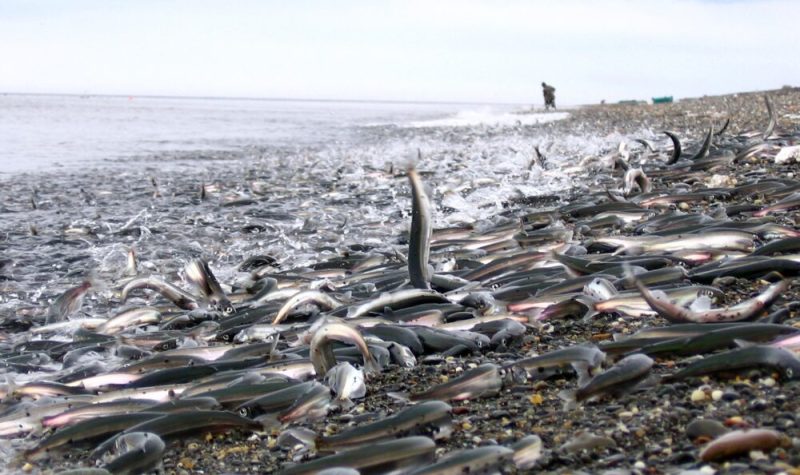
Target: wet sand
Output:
[{"x": 255, "y": 206}]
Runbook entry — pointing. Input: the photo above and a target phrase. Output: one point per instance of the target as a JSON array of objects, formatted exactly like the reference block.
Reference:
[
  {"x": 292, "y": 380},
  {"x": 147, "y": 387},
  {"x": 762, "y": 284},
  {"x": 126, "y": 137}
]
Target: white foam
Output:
[{"x": 489, "y": 117}]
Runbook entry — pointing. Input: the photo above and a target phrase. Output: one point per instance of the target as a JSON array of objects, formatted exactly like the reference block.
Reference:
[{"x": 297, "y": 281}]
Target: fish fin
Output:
[
  {"x": 291, "y": 438},
  {"x": 399, "y": 396},
  {"x": 269, "y": 421},
  {"x": 740, "y": 343},
  {"x": 345, "y": 404},
  {"x": 583, "y": 371},
  {"x": 568, "y": 396},
  {"x": 372, "y": 366}
]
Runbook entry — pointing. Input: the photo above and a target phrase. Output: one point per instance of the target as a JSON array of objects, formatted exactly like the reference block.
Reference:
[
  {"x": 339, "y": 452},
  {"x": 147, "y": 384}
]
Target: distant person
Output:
[{"x": 549, "y": 93}]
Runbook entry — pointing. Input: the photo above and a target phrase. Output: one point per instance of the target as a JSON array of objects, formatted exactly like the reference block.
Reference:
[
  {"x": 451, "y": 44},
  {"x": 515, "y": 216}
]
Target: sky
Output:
[{"x": 407, "y": 50}]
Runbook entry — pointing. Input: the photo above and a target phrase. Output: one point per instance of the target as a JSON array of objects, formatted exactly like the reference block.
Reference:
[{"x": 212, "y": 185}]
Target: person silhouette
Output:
[{"x": 549, "y": 93}]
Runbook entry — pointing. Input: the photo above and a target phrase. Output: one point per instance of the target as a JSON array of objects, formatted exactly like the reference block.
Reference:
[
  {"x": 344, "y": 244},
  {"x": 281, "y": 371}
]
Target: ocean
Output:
[{"x": 39, "y": 132}]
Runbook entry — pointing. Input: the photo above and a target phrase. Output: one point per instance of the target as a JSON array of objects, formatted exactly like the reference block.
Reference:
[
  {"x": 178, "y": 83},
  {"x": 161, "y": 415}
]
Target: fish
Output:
[
  {"x": 486, "y": 459},
  {"x": 741, "y": 311},
  {"x": 393, "y": 456},
  {"x": 484, "y": 380},
  {"x": 758, "y": 356},
  {"x": 430, "y": 418},
  {"x": 321, "y": 349},
  {"x": 87, "y": 430},
  {"x": 323, "y": 300},
  {"x": 89, "y": 411},
  {"x": 527, "y": 451},
  {"x": 347, "y": 383},
  {"x": 67, "y": 303},
  {"x": 193, "y": 422},
  {"x": 419, "y": 240},
  {"x": 583, "y": 358},
  {"x": 137, "y": 452},
  {"x": 199, "y": 273},
  {"x": 275, "y": 400},
  {"x": 704, "y": 148},
  {"x": 625, "y": 375},
  {"x": 772, "y": 119},
  {"x": 130, "y": 318},
  {"x": 676, "y": 147},
  {"x": 174, "y": 294},
  {"x": 311, "y": 405},
  {"x": 395, "y": 300},
  {"x": 635, "y": 178}
]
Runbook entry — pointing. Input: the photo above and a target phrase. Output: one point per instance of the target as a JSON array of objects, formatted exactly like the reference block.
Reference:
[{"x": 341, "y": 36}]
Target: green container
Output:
[{"x": 662, "y": 100}]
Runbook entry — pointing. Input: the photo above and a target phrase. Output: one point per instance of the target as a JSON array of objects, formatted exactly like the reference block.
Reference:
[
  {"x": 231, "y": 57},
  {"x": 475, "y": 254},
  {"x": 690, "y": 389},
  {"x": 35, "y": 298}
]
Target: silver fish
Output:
[
  {"x": 347, "y": 383},
  {"x": 419, "y": 241}
]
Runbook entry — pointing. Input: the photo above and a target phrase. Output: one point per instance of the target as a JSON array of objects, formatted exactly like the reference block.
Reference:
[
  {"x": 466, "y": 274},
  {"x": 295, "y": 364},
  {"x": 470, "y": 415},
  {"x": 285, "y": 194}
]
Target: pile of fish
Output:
[{"x": 662, "y": 239}]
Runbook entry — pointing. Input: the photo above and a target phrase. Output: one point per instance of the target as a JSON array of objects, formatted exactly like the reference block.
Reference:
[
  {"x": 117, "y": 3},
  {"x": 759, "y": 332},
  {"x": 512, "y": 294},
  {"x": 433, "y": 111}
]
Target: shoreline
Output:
[{"x": 302, "y": 208}]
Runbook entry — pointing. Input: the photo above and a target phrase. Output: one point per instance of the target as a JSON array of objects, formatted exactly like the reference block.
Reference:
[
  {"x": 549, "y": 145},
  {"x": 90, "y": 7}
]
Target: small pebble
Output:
[
  {"x": 698, "y": 395},
  {"x": 717, "y": 395}
]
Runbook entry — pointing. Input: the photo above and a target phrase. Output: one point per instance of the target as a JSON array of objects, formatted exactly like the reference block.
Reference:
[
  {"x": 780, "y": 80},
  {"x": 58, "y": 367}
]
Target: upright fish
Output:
[
  {"x": 321, "y": 348},
  {"x": 198, "y": 272},
  {"x": 67, "y": 303},
  {"x": 419, "y": 242}
]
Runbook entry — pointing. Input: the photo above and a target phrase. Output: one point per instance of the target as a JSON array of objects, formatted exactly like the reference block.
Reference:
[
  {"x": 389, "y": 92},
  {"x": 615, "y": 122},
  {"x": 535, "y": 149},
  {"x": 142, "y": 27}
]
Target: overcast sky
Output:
[{"x": 450, "y": 50}]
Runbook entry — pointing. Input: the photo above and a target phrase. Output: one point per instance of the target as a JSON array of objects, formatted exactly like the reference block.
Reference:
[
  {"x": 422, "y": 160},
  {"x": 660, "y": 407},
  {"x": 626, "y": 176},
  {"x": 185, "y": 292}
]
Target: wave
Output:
[{"x": 487, "y": 117}]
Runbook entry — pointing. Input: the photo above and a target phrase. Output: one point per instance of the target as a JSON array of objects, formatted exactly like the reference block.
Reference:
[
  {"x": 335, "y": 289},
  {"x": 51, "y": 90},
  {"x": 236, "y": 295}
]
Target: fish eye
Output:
[
  {"x": 244, "y": 412},
  {"x": 789, "y": 373}
]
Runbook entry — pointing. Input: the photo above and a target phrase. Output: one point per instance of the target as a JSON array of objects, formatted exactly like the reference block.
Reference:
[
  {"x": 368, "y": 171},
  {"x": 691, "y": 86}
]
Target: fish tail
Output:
[
  {"x": 372, "y": 366},
  {"x": 569, "y": 398}
]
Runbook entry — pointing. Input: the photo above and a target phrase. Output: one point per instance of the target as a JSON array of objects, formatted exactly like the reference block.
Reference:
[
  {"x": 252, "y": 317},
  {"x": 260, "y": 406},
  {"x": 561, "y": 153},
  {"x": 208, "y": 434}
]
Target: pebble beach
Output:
[{"x": 602, "y": 186}]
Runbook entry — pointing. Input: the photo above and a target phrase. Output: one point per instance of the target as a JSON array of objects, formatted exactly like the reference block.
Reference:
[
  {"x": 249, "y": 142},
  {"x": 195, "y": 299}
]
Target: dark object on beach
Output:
[{"x": 549, "y": 93}]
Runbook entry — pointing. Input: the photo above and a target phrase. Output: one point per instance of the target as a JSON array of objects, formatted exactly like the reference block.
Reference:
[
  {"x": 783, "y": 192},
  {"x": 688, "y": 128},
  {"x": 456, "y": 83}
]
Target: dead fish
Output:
[
  {"x": 742, "y": 442},
  {"x": 67, "y": 303},
  {"x": 198, "y": 272},
  {"x": 741, "y": 311},
  {"x": 419, "y": 241},
  {"x": 321, "y": 349},
  {"x": 137, "y": 452},
  {"x": 484, "y": 380}
]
